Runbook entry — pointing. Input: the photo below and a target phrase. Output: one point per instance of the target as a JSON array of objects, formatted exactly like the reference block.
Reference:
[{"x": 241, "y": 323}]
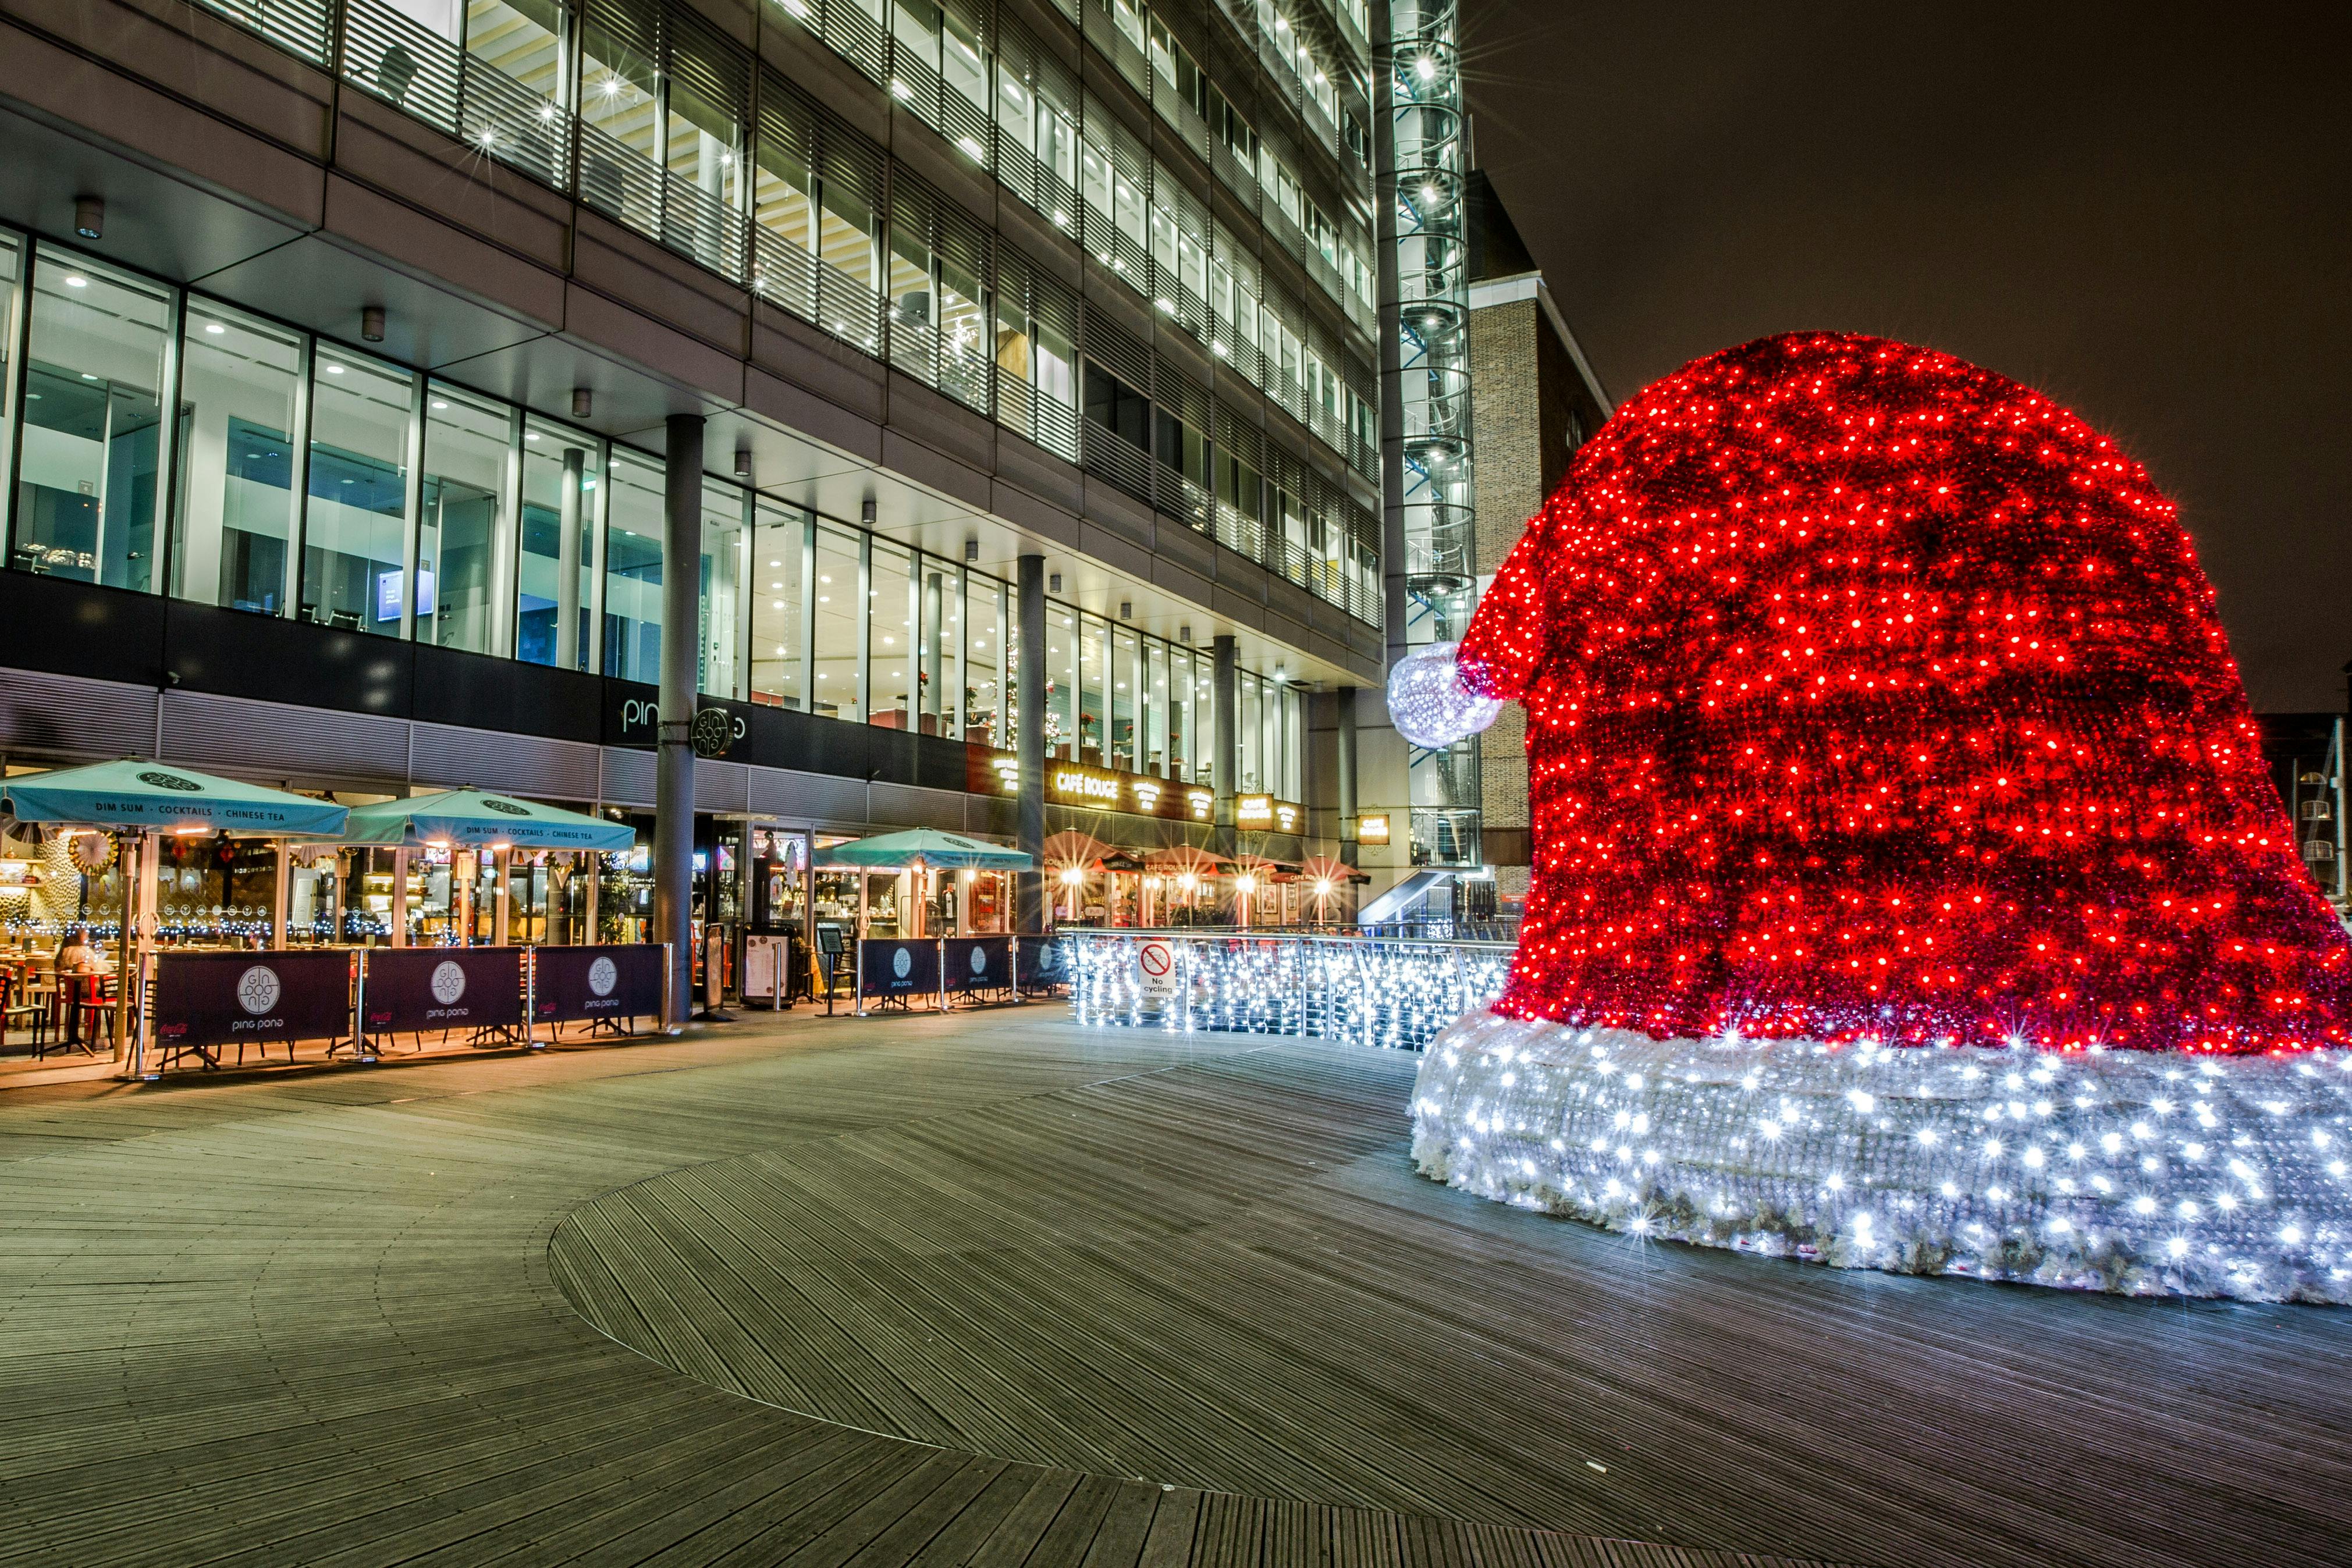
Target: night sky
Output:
[{"x": 2148, "y": 215}]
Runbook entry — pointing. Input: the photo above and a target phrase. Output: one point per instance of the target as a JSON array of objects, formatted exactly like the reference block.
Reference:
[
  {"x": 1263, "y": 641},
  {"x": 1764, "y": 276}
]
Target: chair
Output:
[{"x": 18, "y": 1010}]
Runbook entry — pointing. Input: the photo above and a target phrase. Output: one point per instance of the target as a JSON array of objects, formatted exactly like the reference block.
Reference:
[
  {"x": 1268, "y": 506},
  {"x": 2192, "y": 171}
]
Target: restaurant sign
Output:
[
  {"x": 225, "y": 998},
  {"x": 1103, "y": 788},
  {"x": 1266, "y": 814},
  {"x": 411, "y": 989},
  {"x": 614, "y": 982}
]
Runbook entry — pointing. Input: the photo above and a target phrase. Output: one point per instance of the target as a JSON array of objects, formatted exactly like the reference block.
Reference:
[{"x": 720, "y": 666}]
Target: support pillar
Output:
[
  {"x": 567, "y": 560},
  {"x": 1031, "y": 818},
  {"x": 1226, "y": 741},
  {"x": 1344, "y": 774},
  {"x": 674, "y": 757}
]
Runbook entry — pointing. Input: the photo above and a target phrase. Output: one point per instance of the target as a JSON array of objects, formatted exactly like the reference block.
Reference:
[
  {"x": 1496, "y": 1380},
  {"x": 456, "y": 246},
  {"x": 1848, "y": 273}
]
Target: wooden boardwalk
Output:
[{"x": 1001, "y": 1292}]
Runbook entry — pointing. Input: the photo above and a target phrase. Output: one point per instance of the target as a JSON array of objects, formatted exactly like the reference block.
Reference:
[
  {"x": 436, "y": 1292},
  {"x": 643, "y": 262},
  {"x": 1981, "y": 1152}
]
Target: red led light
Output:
[{"x": 1872, "y": 695}]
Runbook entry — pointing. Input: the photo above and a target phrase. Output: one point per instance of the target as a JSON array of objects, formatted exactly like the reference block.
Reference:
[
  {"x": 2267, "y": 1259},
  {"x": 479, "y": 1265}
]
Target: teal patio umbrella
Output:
[
  {"x": 156, "y": 797},
  {"x": 477, "y": 817},
  {"x": 927, "y": 848},
  {"x": 131, "y": 796}
]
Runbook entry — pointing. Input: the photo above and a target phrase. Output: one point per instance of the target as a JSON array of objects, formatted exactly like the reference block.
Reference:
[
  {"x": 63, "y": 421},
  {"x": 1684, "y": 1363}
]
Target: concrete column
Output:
[
  {"x": 567, "y": 560},
  {"x": 674, "y": 758},
  {"x": 929, "y": 627},
  {"x": 1344, "y": 773},
  {"x": 1225, "y": 739},
  {"x": 1030, "y": 836},
  {"x": 283, "y": 899}
]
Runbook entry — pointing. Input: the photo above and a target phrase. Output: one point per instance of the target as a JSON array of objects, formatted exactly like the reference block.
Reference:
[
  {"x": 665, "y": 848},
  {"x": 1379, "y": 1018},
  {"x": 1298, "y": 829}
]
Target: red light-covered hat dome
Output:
[{"x": 1873, "y": 695}]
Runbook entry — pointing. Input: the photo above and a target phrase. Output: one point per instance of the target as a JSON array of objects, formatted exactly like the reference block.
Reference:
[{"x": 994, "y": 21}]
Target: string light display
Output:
[
  {"x": 1428, "y": 702},
  {"x": 1875, "y": 702},
  {"x": 1398, "y": 995}
]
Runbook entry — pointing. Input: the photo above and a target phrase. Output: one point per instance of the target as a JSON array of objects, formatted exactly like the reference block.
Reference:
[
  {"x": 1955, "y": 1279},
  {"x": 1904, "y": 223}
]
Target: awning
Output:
[
  {"x": 923, "y": 847},
  {"x": 162, "y": 798},
  {"x": 475, "y": 818}
]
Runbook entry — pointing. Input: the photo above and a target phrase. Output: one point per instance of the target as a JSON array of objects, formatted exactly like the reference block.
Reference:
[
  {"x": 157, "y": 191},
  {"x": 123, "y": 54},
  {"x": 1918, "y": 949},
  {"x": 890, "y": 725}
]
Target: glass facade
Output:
[
  {"x": 649, "y": 117},
  {"x": 311, "y": 481}
]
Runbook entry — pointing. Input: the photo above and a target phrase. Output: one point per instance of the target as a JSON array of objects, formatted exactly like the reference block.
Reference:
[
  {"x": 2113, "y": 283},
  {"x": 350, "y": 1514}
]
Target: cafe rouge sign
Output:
[
  {"x": 1075, "y": 784},
  {"x": 1105, "y": 790}
]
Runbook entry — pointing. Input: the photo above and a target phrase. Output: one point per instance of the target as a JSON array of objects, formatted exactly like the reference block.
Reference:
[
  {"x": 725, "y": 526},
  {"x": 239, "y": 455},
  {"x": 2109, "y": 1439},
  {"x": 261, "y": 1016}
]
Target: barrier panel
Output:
[
  {"x": 976, "y": 963},
  {"x": 1038, "y": 962},
  {"x": 892, "y": 970},
  {"x": 208, "y": 1000},
  {"x": 602, "y": 984},
  {"x": 407, "y": 991}
]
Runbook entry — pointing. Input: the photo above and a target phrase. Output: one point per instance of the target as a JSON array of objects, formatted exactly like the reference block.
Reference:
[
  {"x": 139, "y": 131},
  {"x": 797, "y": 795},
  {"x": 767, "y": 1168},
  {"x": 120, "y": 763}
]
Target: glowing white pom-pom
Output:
[
  {"x": 2139, "y": 1172},
  {"x": 1428, "y": 702}
]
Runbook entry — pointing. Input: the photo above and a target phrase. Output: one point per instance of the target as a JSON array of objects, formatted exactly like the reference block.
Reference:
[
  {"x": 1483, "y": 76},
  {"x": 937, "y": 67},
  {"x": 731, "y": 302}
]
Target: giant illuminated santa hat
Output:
[{"x": 1909, "y": 887}]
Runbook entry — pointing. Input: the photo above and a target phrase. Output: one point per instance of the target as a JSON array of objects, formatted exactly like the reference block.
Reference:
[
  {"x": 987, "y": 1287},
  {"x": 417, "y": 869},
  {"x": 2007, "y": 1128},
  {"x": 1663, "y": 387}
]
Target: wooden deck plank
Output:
[{"x": 337, "y": 1318}]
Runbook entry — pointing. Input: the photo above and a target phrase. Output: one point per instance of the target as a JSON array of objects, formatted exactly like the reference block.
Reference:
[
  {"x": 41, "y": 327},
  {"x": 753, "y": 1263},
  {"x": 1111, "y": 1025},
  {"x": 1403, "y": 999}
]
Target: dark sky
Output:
[{"x": 2144, "y": 211}]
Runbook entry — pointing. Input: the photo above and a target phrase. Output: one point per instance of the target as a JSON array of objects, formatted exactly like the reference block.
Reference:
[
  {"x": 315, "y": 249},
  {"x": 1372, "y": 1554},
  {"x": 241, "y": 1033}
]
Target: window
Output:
[
  {"x": 838, "y": 690},
  {"x": 461, "y": 531},
  {"x": 1091, "y": 691},
  {"x": 1123, "y": 698},
  {"x": 633, "y": 568},
  {"x": 87, "y": 478},
  {"x": 1249, "y": 721},
  {"x": 986, "y": 721},
  {"x": 1180, "y": 715},
  {"x": 1153, "y": 703},
  {"x": 555, "y": 580},
  {"x": 780, "y": 606},
  {"x": 1061, "y": 682},
  {"x": 721, "y": 588},
  {"x": 234, "y": 529},
  {"x": 1204, "y": 720},
  {"x": 12, "y": 295},
  {"x": 620, "y": 121},
  {"x": 890, "y": 648},
  {"x": 1183, "y": 448},
  {"x": 355, "y": 526},
  {"x": 1118, "y": 407},
  {"x": 963, "y": 64},
  {"x": 938, "y": 676},
  {"x": 707, "y": 101}
]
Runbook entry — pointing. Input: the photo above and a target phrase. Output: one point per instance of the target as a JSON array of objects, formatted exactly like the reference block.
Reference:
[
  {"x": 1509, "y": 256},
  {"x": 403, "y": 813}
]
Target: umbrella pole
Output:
[{"x": 129, "y": 878}]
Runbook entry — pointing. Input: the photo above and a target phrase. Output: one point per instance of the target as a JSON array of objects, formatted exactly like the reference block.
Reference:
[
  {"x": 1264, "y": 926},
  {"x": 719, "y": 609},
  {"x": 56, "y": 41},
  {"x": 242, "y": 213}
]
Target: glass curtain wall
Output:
[
  {"x": 723, "y": 588},
  {"x": 838, "y": 689},
  {"x": 633, "y": 568},
  {"x": 463, "y": 537},
  {"x": 555, "y": 579},
  {"x": 94, "y": 445},
  {"x": 378, "y": 501},
  {"x": 355, "y": 532},
  {"x": 241, "y": 390},
  {"x": 890, "y": 585},
  {"x": 779, "y": 573},
  {"x": 12, "y": 298}
]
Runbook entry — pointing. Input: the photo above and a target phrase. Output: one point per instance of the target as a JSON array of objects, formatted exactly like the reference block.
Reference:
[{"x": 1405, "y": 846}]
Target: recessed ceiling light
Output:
[
  {"x": 334, "y": 369},
  {"x": 76, "y": 280},
  {"x": 214, "y": 327},
  {"x": 438, "y": 403}
]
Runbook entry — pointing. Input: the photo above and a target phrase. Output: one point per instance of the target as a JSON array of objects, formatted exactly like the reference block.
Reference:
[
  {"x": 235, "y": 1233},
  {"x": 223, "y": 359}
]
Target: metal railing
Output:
[{"x": 1388, "y": 992}]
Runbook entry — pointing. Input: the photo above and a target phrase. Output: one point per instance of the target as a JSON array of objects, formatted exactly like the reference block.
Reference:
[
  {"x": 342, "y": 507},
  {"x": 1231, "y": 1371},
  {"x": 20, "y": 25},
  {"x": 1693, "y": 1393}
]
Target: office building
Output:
[{"x": 982, "y": 399}]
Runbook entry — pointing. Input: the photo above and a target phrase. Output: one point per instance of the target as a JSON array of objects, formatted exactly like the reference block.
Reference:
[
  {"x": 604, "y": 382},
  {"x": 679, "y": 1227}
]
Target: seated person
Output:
[{"x": 80, "y": 956}]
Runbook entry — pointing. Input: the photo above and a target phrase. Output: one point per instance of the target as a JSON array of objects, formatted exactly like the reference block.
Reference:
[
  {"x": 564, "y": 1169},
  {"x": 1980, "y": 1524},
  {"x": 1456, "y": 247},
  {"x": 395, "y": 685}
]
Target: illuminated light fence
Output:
[{"x": 1366, "y": 990}]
